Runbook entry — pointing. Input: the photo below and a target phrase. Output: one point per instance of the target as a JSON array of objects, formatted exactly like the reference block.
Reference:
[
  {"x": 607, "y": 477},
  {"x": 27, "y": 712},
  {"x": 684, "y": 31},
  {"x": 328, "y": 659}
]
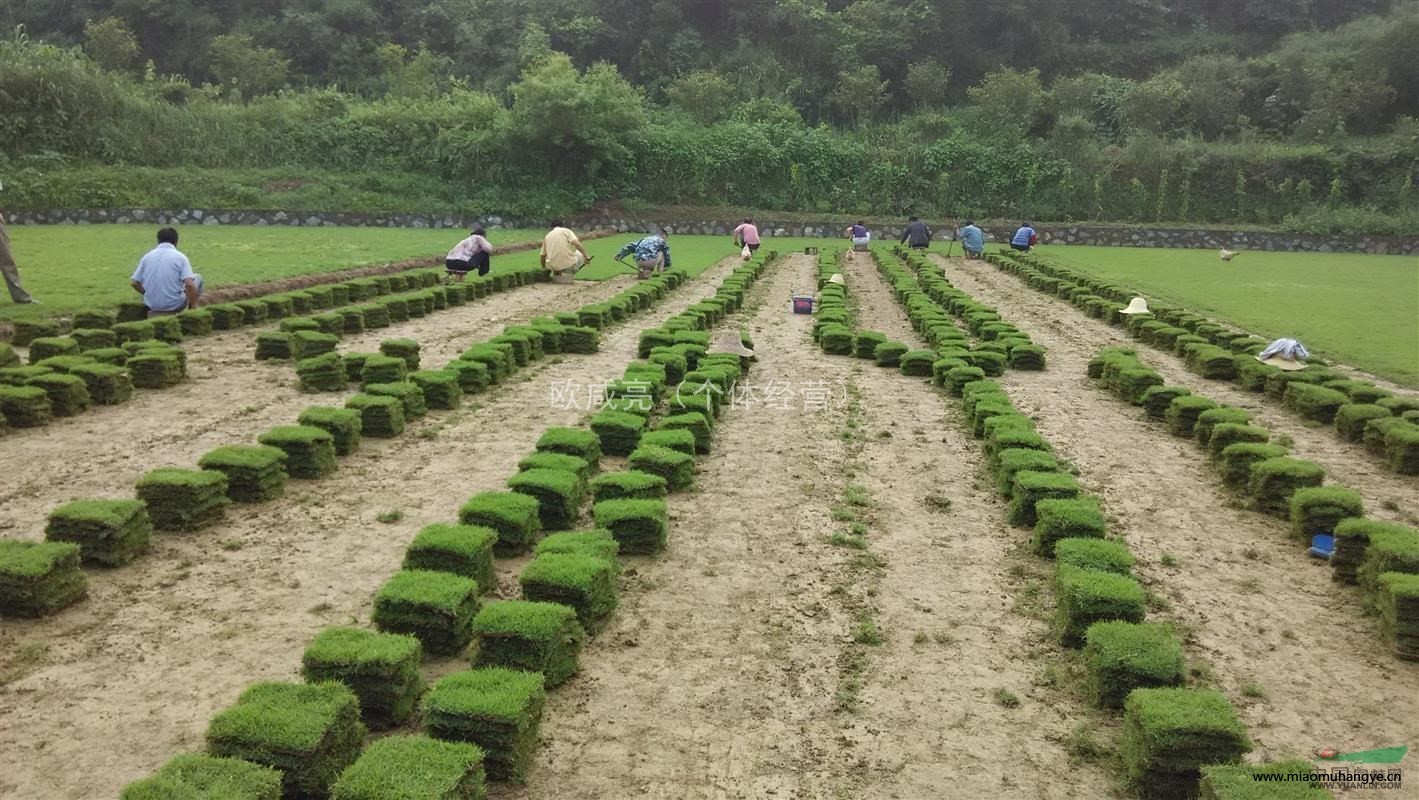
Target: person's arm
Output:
[
  {"x": 542, "y": 256},
  {"x": 189, "y": 288},
  {"x": 906, "y": 232},
  {"x": 665, "y": 248},
  {"x": 137, "y": 285},
  {"x": 623, "y": 252},
  {"x": 577, "y": 244},
  {"x": 135, "y": 280}
]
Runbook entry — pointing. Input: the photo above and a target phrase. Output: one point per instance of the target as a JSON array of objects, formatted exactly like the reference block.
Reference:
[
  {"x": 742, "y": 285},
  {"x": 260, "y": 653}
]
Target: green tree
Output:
[
  {"x": 111, "y": 44},
  {"x": 927, "y": 83},
  {"x": 859, "y": 94},
  {"x": 240, "y": 65},
  {"x": 703, "y": 94},
  {"x": 571, "y": 125},
  {"x": 1009, "y": 101},
  {"x": 1157, "y": 106}
]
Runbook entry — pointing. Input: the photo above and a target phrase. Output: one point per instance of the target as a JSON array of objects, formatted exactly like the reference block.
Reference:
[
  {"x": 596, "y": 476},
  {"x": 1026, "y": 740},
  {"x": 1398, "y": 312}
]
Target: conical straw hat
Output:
[
  {"x": 729, "y": 342},
  {"x": 1282, "y": 362},
  {"x": 837, "y": 278},
  {"x": 1136, "y": 306}
]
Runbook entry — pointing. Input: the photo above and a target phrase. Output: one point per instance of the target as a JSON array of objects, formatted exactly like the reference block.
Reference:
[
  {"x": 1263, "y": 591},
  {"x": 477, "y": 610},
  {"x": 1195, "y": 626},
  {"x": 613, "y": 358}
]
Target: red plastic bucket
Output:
[{"x": 803, "y": 304}]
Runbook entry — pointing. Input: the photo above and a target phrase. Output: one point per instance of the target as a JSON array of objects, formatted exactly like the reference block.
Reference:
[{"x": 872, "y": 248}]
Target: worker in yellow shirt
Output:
[{"x": 562, "y": 253}]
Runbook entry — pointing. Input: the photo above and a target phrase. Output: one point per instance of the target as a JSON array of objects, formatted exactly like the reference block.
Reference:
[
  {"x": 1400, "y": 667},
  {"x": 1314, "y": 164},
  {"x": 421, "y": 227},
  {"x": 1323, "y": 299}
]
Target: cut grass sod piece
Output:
[
  {"x": 274, "y": 346},
  {"x": 639, "y": 526},
  {"x": 628, "y": 485},
  {"x": 618, "y": 432},
  {"x": 1222, "y": 436},
  {"x": 558, "y": 493},
  {"x": 1272, "y": 483},
  {"x": 583, "y": 582},
  {"x": 1169, "y": 734},
  {"x": 1056, "y": 519},
  {"x": 439, "y": 387},
  {"x": 1238, "y": 459},
  {"x": 473, "y": 376},
  {"x": 1350, "y": 420},
  {"x": 1156, "y": 399},
  {"x": 193, "y": 776},
  {"x": 436, "y": 607},
  {"x": 255, "y": 473},
  {"x": 414, "y": 768},
  {"x": 677, "y": 468},
  {"x": 50, "y": 346},
  {"x": 406, "y": 350},
  {"x": 1401, "y": 449},
  {"x": 108, "y": 385},
  {"x": 1014, "y": 460},
  {"x": 25, "y": 406},
  {"x": 309, "y": 732},
  {"x": 108, "y": 532},
  {"x": 68, "y": 394},
  {"x": 184, "y": 499},
  {"x": 1314, "y": 402},
  {"x": 515, "y": 516},
  {"x": 380, "y": 417},
  {"x": 1352, "y": 539},
  {"x": 679, "y": 440},
  {"x": 694, "y": 422},
  {"x": 1183, "y": 413},
  {"x": 1086, "y": 597},
  {"x": 1212, "y": 417},
  {"x": 498, "y": 709},
  {"x": 1030, "y": 487},
  {"x": 597, "y": 543},
  {"x": 465, "y": 550},
  {"x": 532, "y": 636},
  {"x": 1389, "y": 551},
  {"x": 39, "y": 578},
  {"x": 1239, "y": 782},
  {"x": 322, "y": 373},
  {"x": 382, "y": 669},
  {"x": 1318, "y": 509},
  {"x": 1398, "y": 603},
  {"x": 310, "y": 451},
  {"x": 156, "y": 369},
  {"x": 343, "y": 425},
  {"x": 562, "y": 461},
  {"x": 313, "y": 343},
  {"x": 1100, "y": 555},
  {"x": 1123, "y": 656},
  {"x": 408, "y": 394},
  {"x": 383, "y": 369},
  {"x": 572, "y": 441}
]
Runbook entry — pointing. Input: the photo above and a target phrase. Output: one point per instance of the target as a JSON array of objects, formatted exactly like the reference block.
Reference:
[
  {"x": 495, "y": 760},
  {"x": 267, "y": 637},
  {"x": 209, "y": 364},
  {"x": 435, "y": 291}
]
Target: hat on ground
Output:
[
  {"x": 1283, "y": 362},
  {"x": 1287, "y": 354},
  {"x": 837, "y": 278},
  {"x": 1136, "y": 306},
  {"x": 729, "y": 342}
]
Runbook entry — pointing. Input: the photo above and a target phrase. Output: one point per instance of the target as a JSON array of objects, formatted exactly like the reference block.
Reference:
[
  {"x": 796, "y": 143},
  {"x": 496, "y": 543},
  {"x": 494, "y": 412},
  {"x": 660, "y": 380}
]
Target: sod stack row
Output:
[
  {"x": 66, "y": 377},
  {"x": 1387, "y": 424},
  {"x": 1375, "y": 554}
]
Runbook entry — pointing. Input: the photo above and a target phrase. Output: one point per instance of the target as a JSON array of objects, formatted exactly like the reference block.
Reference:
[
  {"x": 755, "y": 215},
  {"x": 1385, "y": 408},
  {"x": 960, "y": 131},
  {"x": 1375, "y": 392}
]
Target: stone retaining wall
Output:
[{"x": 1064, "y": 233}]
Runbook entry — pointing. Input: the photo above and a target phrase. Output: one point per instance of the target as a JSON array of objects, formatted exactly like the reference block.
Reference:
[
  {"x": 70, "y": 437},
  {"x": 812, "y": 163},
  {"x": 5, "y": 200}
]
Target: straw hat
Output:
[
  {"x": 729, "y": 342},
  {"x": 837, "y": 278},
  {"x": 1283, "y": 362},
  {"x": 1136, "y": 306}
]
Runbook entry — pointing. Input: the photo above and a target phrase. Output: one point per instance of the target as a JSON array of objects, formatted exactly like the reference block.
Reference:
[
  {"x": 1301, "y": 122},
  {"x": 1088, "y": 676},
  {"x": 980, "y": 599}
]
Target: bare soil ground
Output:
[
  {"x": 1293, "y": 650},
  {"x": 131, "y": 677}
]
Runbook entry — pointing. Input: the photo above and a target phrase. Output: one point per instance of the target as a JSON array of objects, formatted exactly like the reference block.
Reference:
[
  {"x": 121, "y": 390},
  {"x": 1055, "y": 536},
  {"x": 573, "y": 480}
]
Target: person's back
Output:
[
  {"x": 859, "y": 231},
  {"x": 916, "y": 234},
  {"x": 747, "y": 233},
  {"x": 972, "y": 238},
  {"x": 1024, "y": 238},
  {"x": 560, "y": 248},
  {"x": 165, "y": 278}
]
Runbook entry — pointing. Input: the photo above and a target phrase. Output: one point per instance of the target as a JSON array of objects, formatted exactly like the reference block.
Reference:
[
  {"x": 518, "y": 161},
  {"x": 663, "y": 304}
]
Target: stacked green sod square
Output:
[
  {"x": 1169, "y": 734},
  {"x": 618, "y": 432},
  {"x": 255, "y": 473},
  {"x": 108, "y": 385},
  {"x": 94, "y": 338},
  {"x": 1352, "y": 540},
  {"x": 1318, "y": 509},
  {"x": 166, "y": 329},
  {"x": 414, "y": 768},
  {"x": 274, "y": 345},
  {"x": 515, "y": 516},
  {"x": 640, "y": 527},
  {"x": 409, "y": 395},
  {"x": 1273, "y": 482},
  {"x": 382, "y": 669},
  {"x": 50, "y": 346},
  {"x": 1099, "y": 555},
  {"x": 580, "y": 339},
  {"x": 322, "y": 373},
  {"x": 331, "y": 322},
  {"x": 677, "y": 468},
  {"x": 39, "y": 578},
  {"x": 184, "y": 499},
  {"x": 498, "y": 364},
  {"x": 436, "y": 607},
  {"x": 628, "y": 485},
  {"x": 679, "y": 440},
  {"x": 1226, "y": 434},
  {"x": 1030, "y": 487},
  {"x": 1010, "y": 461},
  {"x": 440, "y": 388},
  {"x": 583, "y": 444},
  {"x": 307, "y": 344},
  {"x": 1212, "y": 417},
  {"x": 194, "y": 776},
  {"x": 465, "y": 550},
  {"x": 156, "y": 369},
  {"x": 472, "y": 376},
  {"x": 1183, "y": 413},
  {"x": 1157, "y": 399},
  {"x": 1314, "y": 402},
  {"x": 1240, "y": 782},
  {"x": 1236, "y": 461},
  {"x": 94, "y": 318},
  {"x": 1123, "y": 656},
  {"x": 584, "y": 582},
  {"x": 1055, "y": 519},
  {"x": 1397, "y": 599},
  {"x": 1389, "y": 550},
  {"x": 308, "y": 732},
  {"x": 26, "y": 406},
  {"x": 1085, "y": 597},
  {"x": 26, "y": 331},
  {"x": 406, "y": 350},
  {"x": 1350, "y": 419},
  {"x": 1377, "y": 430},
  {"x": 1027, "y": 357},
  {"x": 135, "y": 331},
  {"x": 108, "y": 532},
  {"x": 559, "y": 494},
  {"x": 540, "y": 460},
  {"x": 498, "y": 709},
  {"x": 532, "y": 636},
  {"x": 380, "y": 417},
  {"x": 352, "y": 320},
  {"x": 68, "y": 394},
  {"x": 310, "y": 451},
  {"x": 343, "y": 424},
  {"x": 696, "y": 423},
  {"x": 195, "y": 322},
  {"x": 598, "y": 543},
  {"x": 228, "y": 316},
  {"x": 1401, "y": 448}
]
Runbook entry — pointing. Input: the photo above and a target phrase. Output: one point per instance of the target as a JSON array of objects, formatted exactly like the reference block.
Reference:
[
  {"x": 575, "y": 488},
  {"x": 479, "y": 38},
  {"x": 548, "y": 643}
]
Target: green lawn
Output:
[
  {"x": 1360, "y": 310},
  {"x": 69, "y": 267}
]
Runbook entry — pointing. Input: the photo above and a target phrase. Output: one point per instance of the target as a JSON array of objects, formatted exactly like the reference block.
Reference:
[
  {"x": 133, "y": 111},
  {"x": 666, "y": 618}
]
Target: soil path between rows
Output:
[
  {"x": 229, "y": 398},
  {"x": 1061, "y": 326},
  {"x": 715, "y": 678},
  {"x": 132, "y": 676},
  {"x": 932, "y": 722},
  {"x": 1265, "y": 616}
]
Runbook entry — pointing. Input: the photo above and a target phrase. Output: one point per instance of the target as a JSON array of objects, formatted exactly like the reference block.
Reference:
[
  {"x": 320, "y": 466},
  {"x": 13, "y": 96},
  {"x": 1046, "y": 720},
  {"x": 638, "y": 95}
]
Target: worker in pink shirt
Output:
[{"x": 747, "y": 235}]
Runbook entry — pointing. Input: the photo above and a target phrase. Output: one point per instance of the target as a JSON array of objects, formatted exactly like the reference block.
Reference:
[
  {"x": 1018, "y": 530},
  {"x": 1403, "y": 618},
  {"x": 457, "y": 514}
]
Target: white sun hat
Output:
[
  {"x": 837, "y": 278},
  {"x": 729, "y": 342},
  {"x": 1136, "y": 306},
  {"x": 1287, "y": 354}
]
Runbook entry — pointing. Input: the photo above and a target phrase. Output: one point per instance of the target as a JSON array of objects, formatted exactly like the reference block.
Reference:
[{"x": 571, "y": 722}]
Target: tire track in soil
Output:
[
  {"x": 931, "y": 725},
  {"x": 164, "y": 643},
  {"x": 716, "y": 676},
  {"x": 1259, "y": 610},
  {"x": 228, "y": 398},
  {"x": 1065, "y": 329}
]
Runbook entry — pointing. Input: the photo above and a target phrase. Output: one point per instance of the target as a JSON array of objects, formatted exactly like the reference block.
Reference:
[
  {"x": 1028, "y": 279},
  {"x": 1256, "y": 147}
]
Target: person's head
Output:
[
  {"x": 556, "y": 223},
  {"x": 748, "y": 220},
  {"x": 664, "y": 232},
  {"x": 863, "y": 224},
  {"x": 479, "y": 231},
  {"x": 1026, "y": 224},
  {"x": 913, "y": 219},
  {"x": 970, "y": 222},
  {"x": 167, "y": 236}
]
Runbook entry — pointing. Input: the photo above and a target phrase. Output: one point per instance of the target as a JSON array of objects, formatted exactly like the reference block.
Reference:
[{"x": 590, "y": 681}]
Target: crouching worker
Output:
[
  {"x": 165, "y": 278},
  {"x": 652, "y": 254},
  {"x": 562, "y": 253},
  {"x": 972, "y": 240},
  {"x": 472, "y": 253}
]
